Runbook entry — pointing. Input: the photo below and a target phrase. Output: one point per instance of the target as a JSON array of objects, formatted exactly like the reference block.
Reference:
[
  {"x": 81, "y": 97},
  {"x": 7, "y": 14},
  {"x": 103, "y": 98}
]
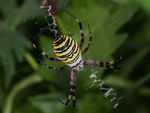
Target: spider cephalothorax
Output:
[{"x": 67, "y": 50}]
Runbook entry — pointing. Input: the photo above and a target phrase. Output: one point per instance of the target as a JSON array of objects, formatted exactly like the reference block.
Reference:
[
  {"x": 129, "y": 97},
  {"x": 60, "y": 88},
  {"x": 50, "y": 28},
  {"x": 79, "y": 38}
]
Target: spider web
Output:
[{"x": 108, "y": 92}]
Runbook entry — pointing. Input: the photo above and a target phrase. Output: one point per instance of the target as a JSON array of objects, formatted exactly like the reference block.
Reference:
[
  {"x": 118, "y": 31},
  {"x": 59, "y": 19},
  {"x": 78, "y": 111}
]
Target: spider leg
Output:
[
  {"x": 55, "y": 68},
  {"x": 90, "y": 39},
  {"x": 44, "y": 54},
  {"x": 49, "y": 58},
  {"x": 50, "y": 67},
  {"x": 72, "y": 93},
  {"x": 80, "y": 27},
  {"x": 107, "y": 64}
]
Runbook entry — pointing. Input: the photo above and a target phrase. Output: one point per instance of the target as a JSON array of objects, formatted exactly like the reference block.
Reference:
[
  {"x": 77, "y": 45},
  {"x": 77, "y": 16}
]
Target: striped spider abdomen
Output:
[{"x": 66, "y": 50}]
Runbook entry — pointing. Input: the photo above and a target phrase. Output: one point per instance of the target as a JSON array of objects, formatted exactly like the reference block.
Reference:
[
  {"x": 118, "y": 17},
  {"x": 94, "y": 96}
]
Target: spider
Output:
[{"x": 68, "y": 51}]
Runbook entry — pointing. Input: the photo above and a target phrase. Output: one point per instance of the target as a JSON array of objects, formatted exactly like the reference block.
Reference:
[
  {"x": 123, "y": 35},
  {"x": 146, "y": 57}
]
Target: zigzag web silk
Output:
[{"x": 109, "y": 92}]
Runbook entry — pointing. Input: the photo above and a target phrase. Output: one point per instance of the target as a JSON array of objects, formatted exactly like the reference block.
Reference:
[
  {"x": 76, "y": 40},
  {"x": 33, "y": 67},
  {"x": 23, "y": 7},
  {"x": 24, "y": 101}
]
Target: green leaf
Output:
[
  {"x": 106, "y": 35},
  {"x": 104, "y": 26},
  {"x": 137, "y": 86},
  {"x": 15, "y": 15},
  {"x": 132, "y": 62},
  {"x": 47, "y": 103},
  {"x": 95, "y": 103},
  {"x": 9, "y": 102},
  {"x": 12, "y": 45},
  {"x": 145, "y": 4}
]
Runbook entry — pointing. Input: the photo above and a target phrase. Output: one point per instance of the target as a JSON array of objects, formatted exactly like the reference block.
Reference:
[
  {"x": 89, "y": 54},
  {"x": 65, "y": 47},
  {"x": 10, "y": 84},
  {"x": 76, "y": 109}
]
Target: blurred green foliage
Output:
[{"x": 119, "y": 28}]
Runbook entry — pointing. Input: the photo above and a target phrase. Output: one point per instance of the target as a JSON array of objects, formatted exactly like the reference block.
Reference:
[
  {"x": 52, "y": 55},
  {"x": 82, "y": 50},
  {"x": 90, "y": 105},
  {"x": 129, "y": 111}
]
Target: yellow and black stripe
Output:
[{"x": 66, "y": 50}]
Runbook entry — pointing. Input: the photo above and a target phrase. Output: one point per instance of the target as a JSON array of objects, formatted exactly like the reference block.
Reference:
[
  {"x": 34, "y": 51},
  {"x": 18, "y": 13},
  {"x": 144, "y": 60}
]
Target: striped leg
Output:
[
  {"x": 55, "y": 68},
  {"x": 89, "y": 42},
  {"x": 81, "y": 32},
  {"x": 49, "y": 58},
  {"x": 110, "y": 64},
  {"x": 72, "y": 95},
  {"x": 80, "y": 26},
  {"x": 44, "y": 54}
]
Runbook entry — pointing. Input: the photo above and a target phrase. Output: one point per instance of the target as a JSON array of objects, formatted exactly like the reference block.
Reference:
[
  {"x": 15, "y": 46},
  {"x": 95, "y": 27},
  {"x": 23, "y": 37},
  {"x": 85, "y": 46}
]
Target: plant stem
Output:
[
  {"x": 32, "y": 79},
  {"x": 31, "y": 60}
]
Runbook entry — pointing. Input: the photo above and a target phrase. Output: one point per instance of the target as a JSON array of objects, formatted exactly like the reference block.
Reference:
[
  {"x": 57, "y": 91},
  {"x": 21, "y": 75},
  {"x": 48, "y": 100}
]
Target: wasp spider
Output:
[{"x": 68, "y": 51}]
